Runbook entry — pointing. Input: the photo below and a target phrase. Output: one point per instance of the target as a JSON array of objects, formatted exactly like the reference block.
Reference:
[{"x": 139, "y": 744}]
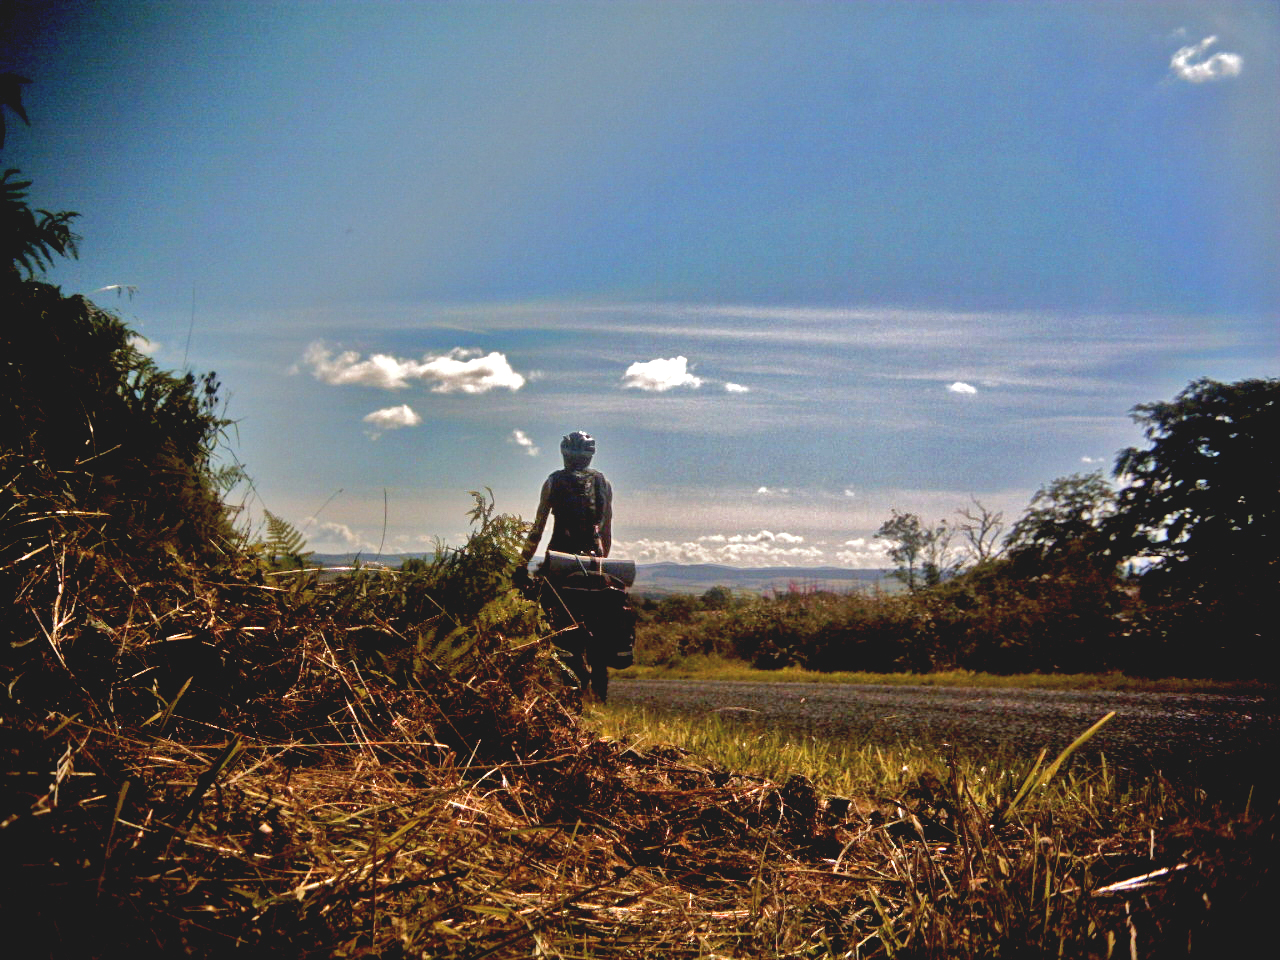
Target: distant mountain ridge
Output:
[
  {"x": 659, "y": 578},
  {"x": 696, "y": 578}
]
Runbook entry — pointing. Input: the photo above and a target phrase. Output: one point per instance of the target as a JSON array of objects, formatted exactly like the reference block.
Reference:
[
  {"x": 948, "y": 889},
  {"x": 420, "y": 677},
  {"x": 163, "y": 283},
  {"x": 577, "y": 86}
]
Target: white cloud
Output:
[
  {"x": 759, "y": 554},
  {"x": 961, "y": 387},
  {"x": 772, "y": 491},
  {"x": 337, "y": 538},
  {"x": 852, "y": 494},
  {"x": 1092, "y": 460},
  {"x": 144, "y": 346},
  {"x": 391, "y": 418},
  {"x": 1187, "y": 64},
  {"x": 458, "y": 371},
  {"x": 739, "y": 550},
  {"x": 735, "y": 388},
  {"x": 120, "y": 289},
  {"x": 863, "y": 554},
  {"x": 660, "y": 375},
  {"x": 521, "y": 439},
  {"x": 762, "y": 536}
]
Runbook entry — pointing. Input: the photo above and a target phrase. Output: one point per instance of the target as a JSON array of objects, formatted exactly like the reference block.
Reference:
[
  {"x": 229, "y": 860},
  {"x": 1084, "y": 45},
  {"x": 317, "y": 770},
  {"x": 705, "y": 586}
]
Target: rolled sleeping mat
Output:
[{"x": 559, "y": 564}]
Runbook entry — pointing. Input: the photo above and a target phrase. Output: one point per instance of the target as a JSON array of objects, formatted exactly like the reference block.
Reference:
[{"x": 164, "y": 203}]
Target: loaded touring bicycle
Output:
[{"x": 586, "y": 600}]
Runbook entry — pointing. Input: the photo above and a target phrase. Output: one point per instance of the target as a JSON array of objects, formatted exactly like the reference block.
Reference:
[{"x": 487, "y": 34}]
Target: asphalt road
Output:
[{"x": 1207, "y": 734}]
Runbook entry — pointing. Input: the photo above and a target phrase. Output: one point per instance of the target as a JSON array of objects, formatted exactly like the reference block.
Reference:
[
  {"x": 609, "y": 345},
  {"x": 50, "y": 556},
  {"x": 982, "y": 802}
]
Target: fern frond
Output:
[{"x": 284, "y": 541}]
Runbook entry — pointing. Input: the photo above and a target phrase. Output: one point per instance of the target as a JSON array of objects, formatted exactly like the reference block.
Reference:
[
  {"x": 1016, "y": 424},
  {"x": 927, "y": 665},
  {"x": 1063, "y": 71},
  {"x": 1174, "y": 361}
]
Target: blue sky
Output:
[{"x": 793, "y": 264}]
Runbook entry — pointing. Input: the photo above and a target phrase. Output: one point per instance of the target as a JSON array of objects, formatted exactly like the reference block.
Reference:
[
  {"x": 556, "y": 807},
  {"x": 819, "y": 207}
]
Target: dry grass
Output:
[
  {"x": 216, "y": 768},
  {"x": 587, "y": 847}
]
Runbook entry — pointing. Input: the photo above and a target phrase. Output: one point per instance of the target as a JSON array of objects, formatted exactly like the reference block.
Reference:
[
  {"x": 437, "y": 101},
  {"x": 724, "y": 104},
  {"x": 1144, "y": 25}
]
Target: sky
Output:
[{"x": 794, "y": 265}]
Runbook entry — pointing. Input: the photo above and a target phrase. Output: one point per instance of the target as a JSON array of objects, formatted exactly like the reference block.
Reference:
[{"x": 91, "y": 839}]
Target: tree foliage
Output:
[
  {"x": 1203, "y": 496},
  {"x": 1200, "y": 503},
  {"x": 1064, "y": 520},
  {"x": 923, "y": 553}
]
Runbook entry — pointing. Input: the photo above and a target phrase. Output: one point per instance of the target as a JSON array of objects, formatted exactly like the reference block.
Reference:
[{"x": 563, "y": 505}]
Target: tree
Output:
[
  {"x": 923, "y": 554},
  {"x": 981, "y": 529},
  {"x": 1065, "y": 520},
  {"x": 1201, "y": 500},
  {"x": 717, "y": 598}
]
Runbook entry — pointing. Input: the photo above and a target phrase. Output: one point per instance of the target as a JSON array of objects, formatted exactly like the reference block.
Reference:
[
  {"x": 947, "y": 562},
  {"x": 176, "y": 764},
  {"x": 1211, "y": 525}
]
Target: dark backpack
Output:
[{"x": 577, "y": 503}]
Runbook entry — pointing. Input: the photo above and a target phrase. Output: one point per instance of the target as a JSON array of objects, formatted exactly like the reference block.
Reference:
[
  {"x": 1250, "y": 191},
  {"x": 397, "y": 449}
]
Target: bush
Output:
[
  {"x": 88, "y": 421},
  {"x": 109, "y": 505},
  {"x": 1066, "y": 614},
  {"x": 1002, "y": 618}
]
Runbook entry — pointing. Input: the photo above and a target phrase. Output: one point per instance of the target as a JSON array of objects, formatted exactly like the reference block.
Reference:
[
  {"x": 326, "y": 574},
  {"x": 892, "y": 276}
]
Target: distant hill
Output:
[
  {"x": 392, "y": 560},
  {"x": 661, "y": 579},
  {"x": 696, "y": 578}
]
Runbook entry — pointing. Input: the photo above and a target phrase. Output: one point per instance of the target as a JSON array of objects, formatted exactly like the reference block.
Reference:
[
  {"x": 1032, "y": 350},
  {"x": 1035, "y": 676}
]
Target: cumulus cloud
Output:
[
  {"x": 772, "y": 491},
  {"x": 330, "y": 537},
  {"x": 521, "y": 439},
  {"x": 458, "y": 371},
  {"x": 961, "y": 387},
  {"x": 337, "y": 538},
  {"x": 144, "y": 346},
  {"x": 761, "y": 549},
  {"x": 863, "y": 554},
  {"x": 1191, "y": 65},
  {"x": 762, "y": 536},
  {"x": 660, "y": 375},
  {"x": 735, "y": 388},
  {"x": 391, "y": 418},
  {"x": 1092, "y": 460}
]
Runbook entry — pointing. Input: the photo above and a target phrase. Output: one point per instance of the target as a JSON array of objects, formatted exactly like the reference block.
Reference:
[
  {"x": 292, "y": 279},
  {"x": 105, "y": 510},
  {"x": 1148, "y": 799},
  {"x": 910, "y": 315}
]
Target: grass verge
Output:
[
  {"x": 719, "y": 668},
  {"x": 952, "y": 855}
]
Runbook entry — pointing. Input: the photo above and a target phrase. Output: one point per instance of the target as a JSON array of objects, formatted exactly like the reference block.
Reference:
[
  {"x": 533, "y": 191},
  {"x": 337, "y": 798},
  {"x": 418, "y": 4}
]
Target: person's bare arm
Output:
[{"x": 606, "y": 520}]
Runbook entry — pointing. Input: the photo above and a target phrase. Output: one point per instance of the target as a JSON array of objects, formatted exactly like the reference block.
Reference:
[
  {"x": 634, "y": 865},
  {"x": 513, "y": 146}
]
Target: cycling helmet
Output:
[{"x": 578, "y": 444}]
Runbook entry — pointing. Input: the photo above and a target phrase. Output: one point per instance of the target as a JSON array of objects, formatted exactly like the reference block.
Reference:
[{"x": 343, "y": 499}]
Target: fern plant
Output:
[{"x": 284, "y": 546}]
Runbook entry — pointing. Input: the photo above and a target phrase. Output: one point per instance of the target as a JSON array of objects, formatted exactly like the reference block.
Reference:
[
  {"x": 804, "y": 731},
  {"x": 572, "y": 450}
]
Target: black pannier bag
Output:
[{"x": 593, "y": 595}]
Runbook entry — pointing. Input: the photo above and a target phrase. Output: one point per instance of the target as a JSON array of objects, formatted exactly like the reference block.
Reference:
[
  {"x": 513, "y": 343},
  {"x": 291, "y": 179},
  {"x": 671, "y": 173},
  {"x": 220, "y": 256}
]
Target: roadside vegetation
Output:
[
  {"x": 209, "y": 751},
  {"x": 727, "y": 668},
  {"x": 1167, "y": 575}
]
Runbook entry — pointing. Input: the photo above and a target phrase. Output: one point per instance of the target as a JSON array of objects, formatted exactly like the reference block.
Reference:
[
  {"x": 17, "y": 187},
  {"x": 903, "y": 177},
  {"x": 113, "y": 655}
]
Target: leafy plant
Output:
[
  {"x": 31, "y": 239},
  {"x": 284, "y": 543}
]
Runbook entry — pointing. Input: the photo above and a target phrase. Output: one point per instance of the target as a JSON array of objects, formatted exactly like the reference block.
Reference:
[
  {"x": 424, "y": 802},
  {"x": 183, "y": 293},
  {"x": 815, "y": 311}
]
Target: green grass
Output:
[
  {"x": 863, "y": 768},
  {"x": 719, "y": 668},
  {"x": 1000, "y": 854}
]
